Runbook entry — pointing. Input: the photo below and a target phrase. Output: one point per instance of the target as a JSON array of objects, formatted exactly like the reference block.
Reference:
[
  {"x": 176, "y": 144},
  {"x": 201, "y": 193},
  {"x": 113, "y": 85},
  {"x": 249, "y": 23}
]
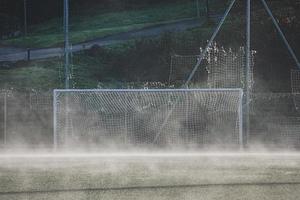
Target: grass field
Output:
[
  {"x": 194, "y": 176},
  {"x": 90, "y": 68},
  {"x": 94, "y": 23}
]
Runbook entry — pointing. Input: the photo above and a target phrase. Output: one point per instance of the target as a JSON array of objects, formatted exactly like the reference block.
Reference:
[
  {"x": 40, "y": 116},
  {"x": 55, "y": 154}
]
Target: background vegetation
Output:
[
  {"x": 99, "y": 21},
  {"x": 148, "y": 60}
]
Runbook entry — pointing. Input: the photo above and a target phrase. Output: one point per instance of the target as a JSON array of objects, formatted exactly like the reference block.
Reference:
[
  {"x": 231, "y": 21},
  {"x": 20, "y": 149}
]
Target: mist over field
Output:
[{"x": 149, "y": 99}]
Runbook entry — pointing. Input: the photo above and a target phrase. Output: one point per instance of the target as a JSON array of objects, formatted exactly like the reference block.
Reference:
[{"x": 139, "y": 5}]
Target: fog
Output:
[{"x": 198, "y": 122}]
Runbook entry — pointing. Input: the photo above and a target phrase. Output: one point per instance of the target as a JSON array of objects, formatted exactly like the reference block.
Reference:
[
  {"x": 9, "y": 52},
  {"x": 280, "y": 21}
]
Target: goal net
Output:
[
  {"x": 225, "y": 68},
  {"x": 154, "y": 118},
  {"x": 295, "y": 81}
]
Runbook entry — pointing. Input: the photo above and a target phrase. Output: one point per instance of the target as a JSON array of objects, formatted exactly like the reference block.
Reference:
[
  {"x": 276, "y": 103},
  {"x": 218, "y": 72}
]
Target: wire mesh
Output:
[
  {"x": 225, "y": 68},
  {"x": 275, "y": 120},
  {"x": 133, "y": 118}
]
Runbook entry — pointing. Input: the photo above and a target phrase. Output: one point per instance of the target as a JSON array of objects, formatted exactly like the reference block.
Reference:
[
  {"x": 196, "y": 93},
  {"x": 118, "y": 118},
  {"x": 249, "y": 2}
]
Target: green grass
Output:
[
  {"x": 103, "y": 23},
  {"x": 40, "y": 75},
  {"x": 103, "y": 68},
  {"x": 48, "y": 74}
]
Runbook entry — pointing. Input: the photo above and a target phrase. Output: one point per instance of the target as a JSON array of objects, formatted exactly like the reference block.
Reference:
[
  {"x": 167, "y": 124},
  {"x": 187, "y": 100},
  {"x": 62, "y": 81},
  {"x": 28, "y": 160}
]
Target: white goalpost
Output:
[{"x": 148, "y": 118}]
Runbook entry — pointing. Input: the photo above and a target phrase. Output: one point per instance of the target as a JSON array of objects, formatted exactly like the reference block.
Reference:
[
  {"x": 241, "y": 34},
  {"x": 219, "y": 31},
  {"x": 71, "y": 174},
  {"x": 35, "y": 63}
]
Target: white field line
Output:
[{"x": 145, "y": 155}]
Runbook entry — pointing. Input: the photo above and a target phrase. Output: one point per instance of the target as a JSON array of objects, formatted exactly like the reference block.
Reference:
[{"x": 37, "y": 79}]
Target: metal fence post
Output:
[
  {"x": 5, "y": 120},
  {"x": 28, "y": 55}
]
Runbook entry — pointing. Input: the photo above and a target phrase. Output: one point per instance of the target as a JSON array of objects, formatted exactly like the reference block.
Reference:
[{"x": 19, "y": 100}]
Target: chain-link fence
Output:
[
  {"x": 25, "y": 119},
  {"x": 275, "y": 120}
]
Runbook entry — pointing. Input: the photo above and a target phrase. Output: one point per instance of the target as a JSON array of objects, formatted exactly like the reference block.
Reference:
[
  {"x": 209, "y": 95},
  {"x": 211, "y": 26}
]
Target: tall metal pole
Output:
[
  {"x": 248, "y": 69},
  {"x": 5, "y": 119},
  {"x": 25, "y": 17},
  {"x": 207, "y": 8},
  {"x": 67, "y": 44},
  {"x": 67, "y": 72},
  {"x": 241, "y": 121},
  {"x": 55, "y": 138},
  {"x": 198, "y": 8}
]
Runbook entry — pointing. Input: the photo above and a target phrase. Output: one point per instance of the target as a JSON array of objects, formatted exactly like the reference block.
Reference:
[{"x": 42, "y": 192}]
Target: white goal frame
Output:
[{"x": 240, "y": 106}]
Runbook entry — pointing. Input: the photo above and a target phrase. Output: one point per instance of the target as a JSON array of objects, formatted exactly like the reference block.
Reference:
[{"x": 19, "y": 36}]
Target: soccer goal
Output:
[{"x": 152, "y": 118}]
